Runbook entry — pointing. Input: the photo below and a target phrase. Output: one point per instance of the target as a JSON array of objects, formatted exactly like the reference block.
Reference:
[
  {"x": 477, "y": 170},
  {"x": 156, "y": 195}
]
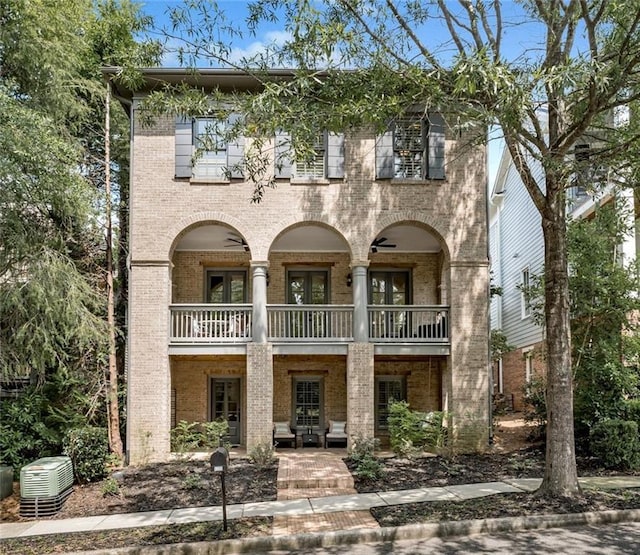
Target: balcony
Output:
[{"x": 231, "y": 325}]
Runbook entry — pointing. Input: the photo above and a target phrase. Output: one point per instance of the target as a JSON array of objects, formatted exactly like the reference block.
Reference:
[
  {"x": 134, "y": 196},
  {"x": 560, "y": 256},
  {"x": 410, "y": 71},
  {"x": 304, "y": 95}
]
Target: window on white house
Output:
[
  {"x": 528, "y": 366},
  {"x": 525, "y": 293}
]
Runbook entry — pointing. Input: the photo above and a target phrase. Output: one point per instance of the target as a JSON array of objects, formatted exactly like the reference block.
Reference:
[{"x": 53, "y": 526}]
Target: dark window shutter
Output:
[
  {"x": 384, "y": 156},
  {"x": 184, "y": 146},
  {"x": 335, "y": 155},
  {"x": 436, "y": 147},
  {"x": 283, "y": 160},
  {"x": 235, "y": 151}
]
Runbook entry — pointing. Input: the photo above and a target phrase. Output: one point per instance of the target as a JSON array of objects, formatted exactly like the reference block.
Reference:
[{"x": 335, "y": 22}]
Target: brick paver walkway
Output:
[{"x": 312, "y": 474}]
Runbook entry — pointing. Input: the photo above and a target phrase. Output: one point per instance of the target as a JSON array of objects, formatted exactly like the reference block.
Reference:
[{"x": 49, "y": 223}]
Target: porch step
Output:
[{"x": 313, "y": 470}]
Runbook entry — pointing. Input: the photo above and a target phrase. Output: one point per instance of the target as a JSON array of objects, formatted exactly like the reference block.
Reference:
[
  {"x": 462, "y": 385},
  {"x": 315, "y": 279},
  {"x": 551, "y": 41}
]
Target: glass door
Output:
[
  {"x": 308, "y": 287},
  {"x": 391, "y": 288},
  {"x": 226, "y": 287},
  {"x": 225, "y": 405}
]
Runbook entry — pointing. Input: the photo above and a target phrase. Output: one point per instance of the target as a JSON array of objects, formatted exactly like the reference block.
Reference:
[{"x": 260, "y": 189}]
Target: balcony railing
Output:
[
  {"x": 207, "y": 323},
  {"x": 231, "y": 323},
  {"x": 316, "y": 322},
  {"x": 409, "y": 324}
]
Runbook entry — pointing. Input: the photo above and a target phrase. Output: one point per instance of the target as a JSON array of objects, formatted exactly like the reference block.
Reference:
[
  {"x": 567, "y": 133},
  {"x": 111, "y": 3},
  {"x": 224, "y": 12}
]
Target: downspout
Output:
[{"x": 489, "y": 368}]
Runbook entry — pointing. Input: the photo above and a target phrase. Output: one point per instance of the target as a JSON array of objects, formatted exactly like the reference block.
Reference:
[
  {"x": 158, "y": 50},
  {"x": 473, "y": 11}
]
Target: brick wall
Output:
[
  {"x": 514, "y": 372},
  {"x": 358, "y": 208}
]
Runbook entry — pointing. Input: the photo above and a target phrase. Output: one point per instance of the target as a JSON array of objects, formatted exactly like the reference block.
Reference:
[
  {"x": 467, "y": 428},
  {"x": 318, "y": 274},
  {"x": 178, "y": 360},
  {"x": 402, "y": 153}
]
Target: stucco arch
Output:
[
  {"x": 316, "y": 219},
  {"x": 417, "y": 218},
  {"x": 183, "y": 226}
]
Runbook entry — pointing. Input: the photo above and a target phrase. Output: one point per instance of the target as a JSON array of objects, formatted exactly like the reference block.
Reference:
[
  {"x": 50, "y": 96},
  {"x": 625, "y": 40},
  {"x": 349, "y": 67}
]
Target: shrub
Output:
[
  {"x": 191, "y": 436},
  {"x": 110, "y": 487},
  {"x": 192, "y": 481},
  {"x": 88, "y": 448},
  {"x": 262, "y": 455},
  {"x": 362, "y": 454},
  {"x": 185, "y": 437},
  {"x": 24, "y": 433},
  {"x": 214, "y": 434},
  {"x": 615, "y": 442},
  {"x": 412, "y": 431},
  {"x": 535, "y": 400},
  {"x": 632, "y": 410}
]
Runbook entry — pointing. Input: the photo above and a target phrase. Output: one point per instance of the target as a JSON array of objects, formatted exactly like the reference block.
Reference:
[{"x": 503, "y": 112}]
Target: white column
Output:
[
  {"x": 259, "y": 299},
  {"x": 360, "y": 314},
  {"x": 627, "y": 208}
]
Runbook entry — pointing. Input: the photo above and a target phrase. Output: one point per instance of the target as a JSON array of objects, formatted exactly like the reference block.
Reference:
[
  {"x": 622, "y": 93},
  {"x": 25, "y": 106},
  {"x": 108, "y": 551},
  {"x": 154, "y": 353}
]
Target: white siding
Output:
[{"x": 516, "y": 243}]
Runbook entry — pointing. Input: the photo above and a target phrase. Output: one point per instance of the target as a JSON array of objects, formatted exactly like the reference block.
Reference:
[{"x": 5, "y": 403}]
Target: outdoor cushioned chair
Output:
[
  {"x": 282, "y": 434},
  {"x": 337, "y": 433}
]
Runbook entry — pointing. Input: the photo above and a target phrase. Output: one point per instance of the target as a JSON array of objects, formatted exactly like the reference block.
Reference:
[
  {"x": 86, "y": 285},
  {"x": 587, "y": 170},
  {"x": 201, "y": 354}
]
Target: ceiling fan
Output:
[
  {"x": 381, "y": 243},
  {"x": 237, "y": 241}
]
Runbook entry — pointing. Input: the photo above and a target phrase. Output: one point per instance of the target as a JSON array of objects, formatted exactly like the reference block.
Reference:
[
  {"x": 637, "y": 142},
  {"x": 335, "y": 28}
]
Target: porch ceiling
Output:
[{"x": 308, "y": 238}]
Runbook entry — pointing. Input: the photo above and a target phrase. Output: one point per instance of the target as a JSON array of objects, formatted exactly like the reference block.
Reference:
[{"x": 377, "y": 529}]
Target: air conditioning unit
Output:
[{"x": 45, "y": 485}]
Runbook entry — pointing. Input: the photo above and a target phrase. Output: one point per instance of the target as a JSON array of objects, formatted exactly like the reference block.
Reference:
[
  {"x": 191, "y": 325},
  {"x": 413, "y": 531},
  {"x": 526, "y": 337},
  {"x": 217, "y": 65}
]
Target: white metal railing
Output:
[
  {"x": 409, "y": 323},
  {"x": 210, "y": 323},
  {"x": 315, "y": 322}
]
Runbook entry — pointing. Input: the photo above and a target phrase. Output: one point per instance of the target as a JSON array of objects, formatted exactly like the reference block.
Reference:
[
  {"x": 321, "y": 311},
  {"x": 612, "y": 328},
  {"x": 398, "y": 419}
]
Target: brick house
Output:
[{"x": 362, "y": 277}]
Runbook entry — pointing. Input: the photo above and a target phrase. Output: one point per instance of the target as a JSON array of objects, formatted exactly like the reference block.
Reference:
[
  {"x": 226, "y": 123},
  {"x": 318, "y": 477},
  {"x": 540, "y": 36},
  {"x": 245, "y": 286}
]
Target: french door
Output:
[
  {"x": 391, "y": 288},
  {"x": 225, "y": 405},
  {"x": 308, "y": 287}
]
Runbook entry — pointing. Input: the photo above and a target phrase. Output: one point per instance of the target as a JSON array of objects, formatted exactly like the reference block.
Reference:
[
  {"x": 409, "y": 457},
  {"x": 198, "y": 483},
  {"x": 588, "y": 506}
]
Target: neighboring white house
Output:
[{"x": 517, "y": 255}]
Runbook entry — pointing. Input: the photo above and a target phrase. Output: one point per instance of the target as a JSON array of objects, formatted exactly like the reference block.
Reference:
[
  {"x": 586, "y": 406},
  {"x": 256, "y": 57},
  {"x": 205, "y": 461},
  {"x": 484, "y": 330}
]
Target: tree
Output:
[
  {"x": 603, "y": 304},
  {"x": 53, "y": 313},
  {"x": 581, "y": 65}
]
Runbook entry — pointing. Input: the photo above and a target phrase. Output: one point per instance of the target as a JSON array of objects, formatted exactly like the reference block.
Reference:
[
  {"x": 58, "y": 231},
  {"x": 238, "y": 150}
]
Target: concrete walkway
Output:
[{"x": 304, "y": 509}]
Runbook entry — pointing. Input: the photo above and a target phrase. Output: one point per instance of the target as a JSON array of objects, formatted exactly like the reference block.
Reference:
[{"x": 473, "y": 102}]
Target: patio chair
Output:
[
  {"x": 282, "y": 434},
  {"x": 337, "y": 433}
]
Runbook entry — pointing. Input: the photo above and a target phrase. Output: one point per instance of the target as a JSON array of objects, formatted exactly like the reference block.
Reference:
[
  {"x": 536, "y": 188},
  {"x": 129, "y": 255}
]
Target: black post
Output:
[{"x": 224, "y": 502}]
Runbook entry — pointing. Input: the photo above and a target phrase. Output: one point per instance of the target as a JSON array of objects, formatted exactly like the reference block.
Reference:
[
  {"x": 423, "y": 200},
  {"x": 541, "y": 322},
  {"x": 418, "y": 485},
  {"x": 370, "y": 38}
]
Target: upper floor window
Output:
[
  {"x": 525, "y": 293},
  {"x": 211, "y": 147},
  {"x": 326, "y": 161},
  {"x": 315, "y": 166},
  {"x": 412, "y": 148},
  {"x": 206, "y": 148}
]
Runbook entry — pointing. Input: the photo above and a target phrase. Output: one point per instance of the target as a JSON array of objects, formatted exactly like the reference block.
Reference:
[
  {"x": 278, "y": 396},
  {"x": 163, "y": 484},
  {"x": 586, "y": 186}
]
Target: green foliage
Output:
[
  {"x": 362, "y": 454},
  {"x": 110, "y": 487},
  {"x": 191, "y": 436},
  {"x": 632, "y": 410},
  {"x": 411, "y": 432},
  {"x": 192, "y": 481},
  {"x": 499, "y": 345},
  {"x": 88, "y": 448},
  {"x": 616, "y": 443},
  {"x": 535, "y": 400},
  {"x": 213, "y": 434},
  {"x": 24, "y": 431},
  {"x": 603, "y": 301},
  {"x": 262, "y": 454}
]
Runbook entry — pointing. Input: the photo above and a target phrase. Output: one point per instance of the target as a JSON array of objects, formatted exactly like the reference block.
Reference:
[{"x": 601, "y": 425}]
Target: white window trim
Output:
[
  {"x": 525, "y": 306},
  {"x": 527, "y": 353}
]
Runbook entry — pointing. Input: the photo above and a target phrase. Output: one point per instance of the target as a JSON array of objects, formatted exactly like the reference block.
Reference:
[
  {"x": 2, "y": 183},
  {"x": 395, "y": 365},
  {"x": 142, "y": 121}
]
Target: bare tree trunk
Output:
[
  {"x": 115, "y": 440},
  {"x": 560, "y": 476}
]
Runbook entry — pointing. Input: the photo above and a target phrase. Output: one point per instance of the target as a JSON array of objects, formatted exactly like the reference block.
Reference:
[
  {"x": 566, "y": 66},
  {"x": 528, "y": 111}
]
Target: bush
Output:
[
  {"x": 362, "y": 455},
  {"x": 632, "y": 410},
  {"x": 615, "y": 442},
  {"x": 88, "y": 448},
  {"x": 412, "y": 431},
  {"x": 262, "y": 455},
  {"x": 535, "y": 411},
  {"x": 24, "y": 433},
  {"x": 191, "y": 436}
]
